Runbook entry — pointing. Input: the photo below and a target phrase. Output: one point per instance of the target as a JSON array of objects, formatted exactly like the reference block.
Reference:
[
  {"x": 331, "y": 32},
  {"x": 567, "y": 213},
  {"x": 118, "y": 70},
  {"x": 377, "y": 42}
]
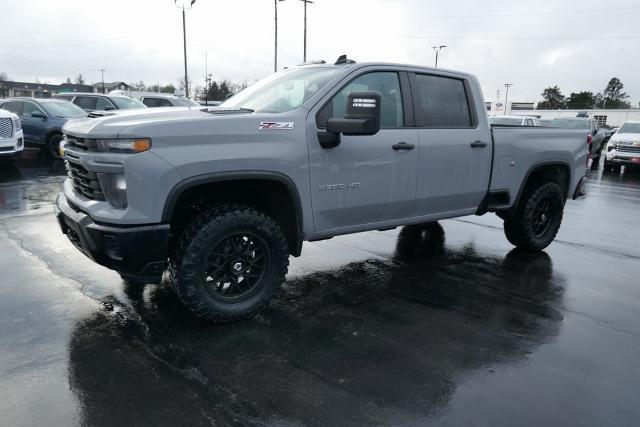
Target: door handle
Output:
[
  {"x": 403, "y": 146},
  {"x": 478, "y": 144}
]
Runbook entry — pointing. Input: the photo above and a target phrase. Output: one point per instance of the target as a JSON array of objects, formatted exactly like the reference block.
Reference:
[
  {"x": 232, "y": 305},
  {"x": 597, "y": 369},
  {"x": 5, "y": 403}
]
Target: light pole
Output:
[
  {"x": 506, "y": 97},
  {"x": 102, "y": 70},
  {"x": 184, "y": 7},
  {"x": 304, "y": 57},
  {"x": 275, "y": 36},
  {"x": 437, "y": 49}
]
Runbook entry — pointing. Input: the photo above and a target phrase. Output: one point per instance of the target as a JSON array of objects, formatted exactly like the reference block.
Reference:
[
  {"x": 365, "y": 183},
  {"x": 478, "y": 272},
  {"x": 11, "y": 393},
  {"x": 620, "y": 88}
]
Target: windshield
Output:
[
  {"x": 63, "y": 109},
  {"x": 630, "y": 128},
  {"x": 570, "y": 123},
  {"x": 127, "y": 103},
  {"x": 283, "y": 91},
  {"x": 185, "y": 102},
  {"x": 505, "y": 121}
]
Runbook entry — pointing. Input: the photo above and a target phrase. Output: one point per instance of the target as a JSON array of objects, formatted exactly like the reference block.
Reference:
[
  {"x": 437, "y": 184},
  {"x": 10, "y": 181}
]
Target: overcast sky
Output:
[{"x": 577, "y": 45}]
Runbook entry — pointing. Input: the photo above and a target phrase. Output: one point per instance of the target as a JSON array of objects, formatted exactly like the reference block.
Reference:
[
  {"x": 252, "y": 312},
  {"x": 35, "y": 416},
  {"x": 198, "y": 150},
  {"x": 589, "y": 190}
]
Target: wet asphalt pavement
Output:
[{"x": 441, "y": 324}]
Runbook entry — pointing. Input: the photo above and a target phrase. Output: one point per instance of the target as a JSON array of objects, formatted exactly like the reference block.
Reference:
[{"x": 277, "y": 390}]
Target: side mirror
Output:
[
  {"x": 38, "y": 115},
  {"x": 361, "y": 117}
]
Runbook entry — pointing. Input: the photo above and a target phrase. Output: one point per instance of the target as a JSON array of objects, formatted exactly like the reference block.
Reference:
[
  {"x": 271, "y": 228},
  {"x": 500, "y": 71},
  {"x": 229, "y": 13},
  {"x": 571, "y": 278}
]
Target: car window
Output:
[
  {"x": 156, "y": 102},
  {"x": 13, "y": 106},
  {"x": 86, "y": 102},
  {"x": 67, "y": 97},
  {"x": 385, "y": 83},
  {"x": 30, "y": 107},
  {"x": 442, "y": 102},
  {"x": 103, "y": 103}
]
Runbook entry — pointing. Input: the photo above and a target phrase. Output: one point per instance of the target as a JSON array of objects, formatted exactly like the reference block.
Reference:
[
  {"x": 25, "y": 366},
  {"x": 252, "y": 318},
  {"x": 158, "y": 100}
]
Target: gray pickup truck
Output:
[{"x": 222, "y": 198}]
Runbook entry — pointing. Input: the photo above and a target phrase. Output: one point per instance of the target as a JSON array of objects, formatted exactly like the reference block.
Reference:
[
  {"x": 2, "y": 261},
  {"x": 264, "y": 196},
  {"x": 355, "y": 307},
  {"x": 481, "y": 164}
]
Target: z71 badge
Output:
[{"x": 276, "y": 125}]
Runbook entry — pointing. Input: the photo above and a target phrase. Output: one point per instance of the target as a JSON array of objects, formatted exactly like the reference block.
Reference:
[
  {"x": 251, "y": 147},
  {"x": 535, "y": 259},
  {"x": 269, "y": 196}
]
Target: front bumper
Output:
[
  {"x": 11, "y": 148},
  {"x": 623, "y": 157},
  {"x": 136, "y": 252}
]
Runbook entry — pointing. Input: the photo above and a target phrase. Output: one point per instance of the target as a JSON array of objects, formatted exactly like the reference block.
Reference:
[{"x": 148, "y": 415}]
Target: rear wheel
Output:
[
  {"x": 229, "y": 262},
  {"x": 537, "y": 218}
]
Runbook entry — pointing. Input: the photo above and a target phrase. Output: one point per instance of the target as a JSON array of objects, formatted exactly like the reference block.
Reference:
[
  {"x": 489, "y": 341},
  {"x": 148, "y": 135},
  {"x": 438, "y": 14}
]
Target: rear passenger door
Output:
[{"x": 454, "y": 162}]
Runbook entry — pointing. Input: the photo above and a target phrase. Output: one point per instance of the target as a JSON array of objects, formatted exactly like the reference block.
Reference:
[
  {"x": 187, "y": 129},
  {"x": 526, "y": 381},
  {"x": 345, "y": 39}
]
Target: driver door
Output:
[{"x": 364, "y": 182}]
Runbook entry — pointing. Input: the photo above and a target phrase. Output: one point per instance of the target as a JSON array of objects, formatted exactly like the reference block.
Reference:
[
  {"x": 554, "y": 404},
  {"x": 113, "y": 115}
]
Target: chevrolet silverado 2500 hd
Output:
[{"x": 221, "y": 198}]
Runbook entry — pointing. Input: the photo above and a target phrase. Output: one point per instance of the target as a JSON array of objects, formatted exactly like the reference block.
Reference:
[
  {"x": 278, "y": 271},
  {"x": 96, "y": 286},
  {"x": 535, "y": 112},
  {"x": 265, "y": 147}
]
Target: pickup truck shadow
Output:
[{"x": 377, "y": 341}]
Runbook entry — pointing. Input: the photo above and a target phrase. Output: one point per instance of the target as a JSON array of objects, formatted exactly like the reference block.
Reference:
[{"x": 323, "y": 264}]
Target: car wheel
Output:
[
  {"x": 53, "y": 144},
  {"x": 537, "y": 218},
  {"x": 229, "y": 263},
  {"x": 595, "y": 161}
]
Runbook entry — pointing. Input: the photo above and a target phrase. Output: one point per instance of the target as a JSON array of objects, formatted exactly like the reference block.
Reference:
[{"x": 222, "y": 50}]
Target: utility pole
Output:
[
  {"x": 497, "y": 96},
  {"x": 437, "y": 49},
  {"x": 184, "y": 7},
  {"x": 304, "y": 57},
  {"x": 102, "y": 70},
  {"x": 506, "y": 97},
  {"x": 275, "y": 36},
  {"x": 206, "y": 81}
]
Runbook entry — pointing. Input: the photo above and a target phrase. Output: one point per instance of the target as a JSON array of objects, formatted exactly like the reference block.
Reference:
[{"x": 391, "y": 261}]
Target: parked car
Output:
[
  {"x": 596, "y": 137},
  {"x": 608, "y": 132},
  {"x": 98, "y": 102},
  {"x": 11, "y": 137},
  {"x": 623, "y": 148},
  {"x": 223, "y": 197},
  {"x": 42, "y": 120},
  {"x": 163, "y": 100},
  {"x": 514, "y": 121}
]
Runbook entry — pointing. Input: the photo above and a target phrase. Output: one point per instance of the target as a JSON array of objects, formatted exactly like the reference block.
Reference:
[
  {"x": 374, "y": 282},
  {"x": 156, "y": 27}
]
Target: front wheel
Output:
[
  {"x": 537, "y": 218},
  {"x": 229, "y": 262},
  {"x": 53, "y": 144}
]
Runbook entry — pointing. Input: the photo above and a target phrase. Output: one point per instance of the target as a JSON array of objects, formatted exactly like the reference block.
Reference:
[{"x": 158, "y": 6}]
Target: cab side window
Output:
[
  {"x": 441, "y": 102},
  {"x": 385, "y": 83}
]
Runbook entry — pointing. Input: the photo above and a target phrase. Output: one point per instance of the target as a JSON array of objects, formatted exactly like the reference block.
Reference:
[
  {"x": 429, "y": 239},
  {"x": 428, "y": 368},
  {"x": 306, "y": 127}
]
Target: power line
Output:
[
  {"x": 521, "y": 37},
  {"x": 59, "y": 46},
  {"x": 532, "y": 13}
]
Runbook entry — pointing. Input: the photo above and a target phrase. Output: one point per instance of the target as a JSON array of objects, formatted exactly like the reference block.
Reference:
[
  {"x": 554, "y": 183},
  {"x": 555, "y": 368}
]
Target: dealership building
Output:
[
  {"x": 43, "y": 90},
  {"x": 603, "y": 117}
]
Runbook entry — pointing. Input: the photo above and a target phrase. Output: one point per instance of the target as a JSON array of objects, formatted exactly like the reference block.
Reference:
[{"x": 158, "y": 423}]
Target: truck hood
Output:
[
  {"x": 127, "y": 121},
  {"x": 626, "y": 137}
]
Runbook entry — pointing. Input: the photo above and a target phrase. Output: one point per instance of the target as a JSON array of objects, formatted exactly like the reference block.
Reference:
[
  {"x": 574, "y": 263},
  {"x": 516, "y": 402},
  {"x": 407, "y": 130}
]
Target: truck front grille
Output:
[
  {"x": 628, "y": 149},
  {"x": 84, "y": 182},
  {"x": 6, "y": 128},
  {"x": 79, "y": 143}
]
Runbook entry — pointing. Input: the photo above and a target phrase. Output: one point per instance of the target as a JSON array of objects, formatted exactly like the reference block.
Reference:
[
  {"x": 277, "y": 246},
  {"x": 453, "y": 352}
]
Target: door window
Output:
[
  {"x": 156, "y": 102},
  {"x": 441, "y": 102},
  {"x": 86, "y": 102},
  {"x": 385, "y": 83},
  {"x": 30, "y": 107},
  {"x": 103, "y": 103},
  {"x": 13, "y": 106}
]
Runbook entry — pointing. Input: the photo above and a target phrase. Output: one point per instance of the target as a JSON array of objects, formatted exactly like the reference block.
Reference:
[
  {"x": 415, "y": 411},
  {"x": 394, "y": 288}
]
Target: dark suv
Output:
[
  {"x": 593, "y": 131},
  {"x": 98, "y": 102},
  {"x": 42, "y": 120}
]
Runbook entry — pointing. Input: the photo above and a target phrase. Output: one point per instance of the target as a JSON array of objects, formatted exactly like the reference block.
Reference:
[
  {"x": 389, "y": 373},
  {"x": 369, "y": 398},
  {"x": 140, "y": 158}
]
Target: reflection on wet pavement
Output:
[{"x": 437, "y": 323}]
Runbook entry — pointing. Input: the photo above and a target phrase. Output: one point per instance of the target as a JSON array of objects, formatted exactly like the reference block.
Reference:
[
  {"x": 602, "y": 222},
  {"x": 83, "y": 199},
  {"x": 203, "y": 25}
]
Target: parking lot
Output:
[{"x": 443, "y": 323}]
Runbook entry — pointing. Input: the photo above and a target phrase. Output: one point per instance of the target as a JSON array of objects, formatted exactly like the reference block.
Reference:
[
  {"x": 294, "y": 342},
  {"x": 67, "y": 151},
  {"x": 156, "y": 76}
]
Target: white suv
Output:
[
  {"x": 11, "y": 137},
  {"x": 623, "y": 148}
]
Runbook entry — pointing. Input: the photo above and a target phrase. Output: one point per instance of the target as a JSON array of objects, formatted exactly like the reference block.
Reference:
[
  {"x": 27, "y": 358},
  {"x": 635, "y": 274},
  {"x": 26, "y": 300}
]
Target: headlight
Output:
[
  {"x": 137, "y": 145},
  {"x": 114, "y": 187},
  {"x": 17, "y": 125},
  {"x": 61, "y": 148}
]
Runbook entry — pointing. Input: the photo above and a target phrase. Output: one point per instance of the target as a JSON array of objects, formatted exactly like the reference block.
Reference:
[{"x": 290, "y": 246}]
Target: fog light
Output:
[{"x": 114, "y": 187}]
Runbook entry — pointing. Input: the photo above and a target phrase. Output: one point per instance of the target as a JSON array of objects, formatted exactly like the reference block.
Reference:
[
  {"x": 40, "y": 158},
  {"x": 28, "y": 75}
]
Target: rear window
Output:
[
  {"x": 442, "y": 102},
  {"x": 156, "y": 102}
]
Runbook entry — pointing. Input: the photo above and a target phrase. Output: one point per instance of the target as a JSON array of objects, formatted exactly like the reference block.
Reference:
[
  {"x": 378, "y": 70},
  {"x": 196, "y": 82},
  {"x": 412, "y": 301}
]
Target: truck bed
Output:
[{"x": 517, "y": 150}]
